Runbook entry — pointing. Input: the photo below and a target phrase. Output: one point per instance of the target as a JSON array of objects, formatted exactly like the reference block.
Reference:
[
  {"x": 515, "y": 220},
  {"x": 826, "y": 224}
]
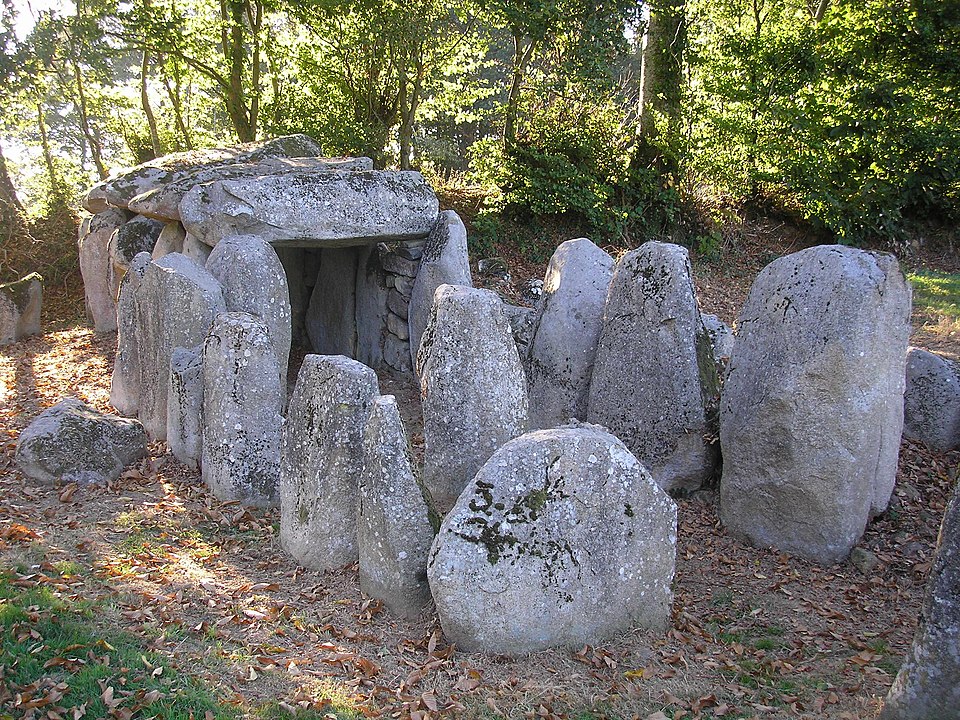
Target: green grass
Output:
[
  {"x": 58, "y": 644},
  {"x": 936, "y": 293}
]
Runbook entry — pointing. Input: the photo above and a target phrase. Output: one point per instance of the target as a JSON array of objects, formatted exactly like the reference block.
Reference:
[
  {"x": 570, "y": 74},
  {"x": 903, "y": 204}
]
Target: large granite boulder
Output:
[
  {"x": 931, "y": 402},
  {"x": 654, "y": 379},
  {"x": 170, "y": 240},
  {"x": 20, "y": 305},
  {"x": 328, "y": 209},
  {"x": 71, "y": 442},
  {"x": 120, "y": 188},
  {"x": 242, "y": 401},
  {"x": 395, "y": 526},
  {"x": 562, "y": 538},
  {"x": 125, "y": 382},
  {"x": 812, "y": 410},
  {"x": 254, "y": 282},
  {"x": 163, "y": 202},
  {"x": 185, "y": 406},
  {"x": 322, "y": 460},
  {"x": 95, "y": 267},
  {"x": 473, "y": 390},
  {"x": 444, "y": 262},
  {"x": 177, "y": 301},
  {"x": 928, "y": 684},
  {"x": 567, "y": 327}
]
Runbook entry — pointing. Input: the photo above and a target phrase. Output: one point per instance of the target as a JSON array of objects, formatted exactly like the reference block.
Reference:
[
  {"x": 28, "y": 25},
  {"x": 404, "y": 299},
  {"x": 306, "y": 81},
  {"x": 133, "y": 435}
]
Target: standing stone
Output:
[
  {"x": 242, "y": 401},
  {"x": 185, "y": 406},
  {"x": 125, "y": 383},
  {"x": 294, "y": 265},
  {"x": 71, "y": 442},
  {"x": 254, "y": 282},
  {"x": 812, "y": 410},
  {"x": 322, "y": 460},
  {"x": 568, "y": 323},
  {"x": 444, "y": 262},
  {"x": 129, "y": 240},
  {"x": 195, "y": 250},
  {"x": 721, "y": 340},
  {"x": 472, "y": 387},
  {"x": 20, "y": 305},
  {"x": 371, "y": 306},
  {"x": 169, "y": 241},
  {"x": 395, "y": 528},
  {"x": 177, "y": 301},
  {"x": 928, "y": 684},
  {"x": 563, "y": 538},
  {"x": 654, "y": 380},
  {"x": 931, "y": 403},
  {"x": 332, "y": 318},
  {"x": 94, "y": 250}
]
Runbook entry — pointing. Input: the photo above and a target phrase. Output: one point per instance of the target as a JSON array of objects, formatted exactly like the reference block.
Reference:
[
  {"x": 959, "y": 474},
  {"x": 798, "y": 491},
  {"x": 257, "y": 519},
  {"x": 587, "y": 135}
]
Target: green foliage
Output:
[
  {"x": 580, "y": 161},
  {"x": 850, "y": 121}
]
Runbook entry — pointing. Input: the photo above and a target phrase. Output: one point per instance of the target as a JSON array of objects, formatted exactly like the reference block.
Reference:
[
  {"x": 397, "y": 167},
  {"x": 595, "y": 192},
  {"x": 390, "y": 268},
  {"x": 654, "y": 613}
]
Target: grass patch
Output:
[
  {"x": 936, "y": 293},
  {"x": 57, "y": 658}
]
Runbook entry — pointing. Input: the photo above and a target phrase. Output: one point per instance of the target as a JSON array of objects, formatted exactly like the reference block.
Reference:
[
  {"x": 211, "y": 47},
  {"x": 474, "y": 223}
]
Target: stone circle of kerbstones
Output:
[
  {"x": 562, "y": 538},
  {"x": 812, "y": 410},
  {"x": 72, "y": 442},
  {"x": 322, "y": 458},
  {"x": 931, "y": 402},
  {"x": 473, "y": 389}
]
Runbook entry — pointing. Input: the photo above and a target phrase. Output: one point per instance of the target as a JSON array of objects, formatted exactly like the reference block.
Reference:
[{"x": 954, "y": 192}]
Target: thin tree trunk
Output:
[
  {"x": 174, "y": 95},
  {"x": 821, "y": 10},
  {"x": 56, "y": 186},
  {"x": 94, "y": 142},
  {"x": 8, "y": 192},
  {"x": 255, "y": 17},
  {"x": 661, "y": 70},
  {"x": 147, "y": 110},
  {"x": 520, "y": 60}
]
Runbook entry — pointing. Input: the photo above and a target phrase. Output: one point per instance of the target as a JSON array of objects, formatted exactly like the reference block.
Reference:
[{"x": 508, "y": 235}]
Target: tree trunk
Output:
[
  {"x": 8, "y": 192},
  {"x": 235, "y": 55},
  {"x": 147, "y": 110},
  {"x": 521, "y": 57},
  {"x": 661, "y": 71},
  {"x": 56, "y": 186},
  {"x": 174, "y": 95},
  {"x": 821, "y": 10}
]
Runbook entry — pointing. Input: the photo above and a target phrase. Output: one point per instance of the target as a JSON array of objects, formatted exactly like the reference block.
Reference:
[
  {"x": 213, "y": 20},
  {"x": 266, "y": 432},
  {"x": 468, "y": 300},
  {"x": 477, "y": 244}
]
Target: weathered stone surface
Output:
[
  {"x": 563, "y": 538},
  {"x": 567, "y": 327},
  {"x": 328, "y": 209},
  {"x": 185, "y": 406},
  {"x": 332, "y": 317},
  {"x": 294, "y": 267},
  {"x": 94, "y": 249},
  {"x": 522, "y": 324},
  {"x": 71, "y": 442},
  {"x": 177, "y": 301},
  {"x": 395, "y": 528},
  {"x": 122, "y": 187},
  {"x": 931, "y": 402},
  {"x": 371, "y": 306},
  {"x": 322, "y": 460},
  {"x": 125, "y": 382},
  {"x": 195, "y": 250},
  {"x": 812, "y": 410},
  {"x": 254, "y": 282},
  {"x": 444, "y": 262},
  {"x": 396, "y": 264},
  {"x": 654, "y": 379},
  {"x": 163, "y": 202},
  {"x": 397, "y": 304},
  {"x": 20, "y": 304},
  {"x": 396, "y": 353},
  {"x": 398, "y": 326},
  {"x": 928, "y": 684},
  {"x": 242, "y": 401},
  {"x": 169, "y": 241},
  {"x": 472, "y": 387},
  {"x": 721, "y": 340},
  {"x": 132, "y": 238}
]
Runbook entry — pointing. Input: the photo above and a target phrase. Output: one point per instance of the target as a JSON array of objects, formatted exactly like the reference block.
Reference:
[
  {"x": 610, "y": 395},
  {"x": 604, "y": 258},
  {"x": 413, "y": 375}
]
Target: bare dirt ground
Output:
[{"x": 755, "y": 633}]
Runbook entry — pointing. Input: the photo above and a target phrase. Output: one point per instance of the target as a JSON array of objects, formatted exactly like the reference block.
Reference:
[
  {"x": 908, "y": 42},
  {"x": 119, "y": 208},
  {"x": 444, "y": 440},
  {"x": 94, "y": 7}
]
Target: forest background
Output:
[{"x": 618, "y": 119}]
